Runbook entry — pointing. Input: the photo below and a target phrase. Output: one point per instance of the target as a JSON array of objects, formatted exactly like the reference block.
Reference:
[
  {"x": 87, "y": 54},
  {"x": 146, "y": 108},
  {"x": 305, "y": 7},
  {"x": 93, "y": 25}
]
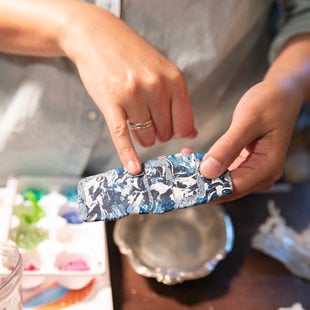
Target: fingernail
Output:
[
  {"x": 133, "y": 167},
  {"x": 211, "y": 168}
]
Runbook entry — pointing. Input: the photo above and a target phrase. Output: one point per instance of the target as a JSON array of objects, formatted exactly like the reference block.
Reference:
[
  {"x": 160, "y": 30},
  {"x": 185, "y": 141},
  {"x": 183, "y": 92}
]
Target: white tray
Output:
[{"x": 75, "y": 289}]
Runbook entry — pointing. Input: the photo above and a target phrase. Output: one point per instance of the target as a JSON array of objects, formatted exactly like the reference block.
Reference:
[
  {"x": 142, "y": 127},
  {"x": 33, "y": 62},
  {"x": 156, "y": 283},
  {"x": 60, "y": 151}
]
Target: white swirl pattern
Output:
[{"x": 167, "y": 183}]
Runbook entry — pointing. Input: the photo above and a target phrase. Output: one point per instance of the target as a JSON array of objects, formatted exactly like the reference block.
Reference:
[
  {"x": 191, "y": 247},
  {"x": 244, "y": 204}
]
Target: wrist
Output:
[
  {"x": 77, "y": 29},
  {"x": 289, "y": 89},
  {"x": 291, "y": 69}
]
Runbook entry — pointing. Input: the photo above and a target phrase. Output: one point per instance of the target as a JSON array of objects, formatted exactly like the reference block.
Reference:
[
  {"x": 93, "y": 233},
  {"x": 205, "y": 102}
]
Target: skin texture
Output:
[{"x": 147, "y": 85}]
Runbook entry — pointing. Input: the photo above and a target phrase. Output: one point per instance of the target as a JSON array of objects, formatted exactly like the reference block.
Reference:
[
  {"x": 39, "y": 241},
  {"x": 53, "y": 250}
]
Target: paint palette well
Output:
[{"x": 55, "y": 243}]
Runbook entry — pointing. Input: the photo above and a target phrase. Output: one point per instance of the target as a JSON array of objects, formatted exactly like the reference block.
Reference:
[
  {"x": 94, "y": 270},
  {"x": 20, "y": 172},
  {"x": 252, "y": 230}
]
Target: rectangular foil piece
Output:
[{"x": 165, "y": 184}]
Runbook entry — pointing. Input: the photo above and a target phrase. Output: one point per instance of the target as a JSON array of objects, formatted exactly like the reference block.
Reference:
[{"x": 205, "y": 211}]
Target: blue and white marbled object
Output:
[{"x": 167, "y": 183}]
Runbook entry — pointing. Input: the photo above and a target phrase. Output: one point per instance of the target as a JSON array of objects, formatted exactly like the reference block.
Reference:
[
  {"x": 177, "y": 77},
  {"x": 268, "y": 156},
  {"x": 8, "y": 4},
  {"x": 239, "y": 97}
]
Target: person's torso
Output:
[{"x": 49, "y": 125}]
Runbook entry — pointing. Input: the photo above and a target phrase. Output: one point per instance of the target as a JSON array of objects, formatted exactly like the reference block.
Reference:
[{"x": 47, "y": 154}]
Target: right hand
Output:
[
  {"x": 125, "y": 76},
  {"x": 128, "y": 80}
]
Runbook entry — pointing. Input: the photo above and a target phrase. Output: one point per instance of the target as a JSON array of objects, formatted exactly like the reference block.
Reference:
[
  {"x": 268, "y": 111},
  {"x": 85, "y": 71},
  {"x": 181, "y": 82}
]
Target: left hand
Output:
[{"x": 255, "y": 145}]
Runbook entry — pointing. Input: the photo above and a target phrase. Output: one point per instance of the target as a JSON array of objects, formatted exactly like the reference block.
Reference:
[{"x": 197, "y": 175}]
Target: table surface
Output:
[{"x": 245, "y": 279}]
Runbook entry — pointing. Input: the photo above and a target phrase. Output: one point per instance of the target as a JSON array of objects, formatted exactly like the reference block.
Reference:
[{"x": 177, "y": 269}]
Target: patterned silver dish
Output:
[{"x": 176, "y": 246}]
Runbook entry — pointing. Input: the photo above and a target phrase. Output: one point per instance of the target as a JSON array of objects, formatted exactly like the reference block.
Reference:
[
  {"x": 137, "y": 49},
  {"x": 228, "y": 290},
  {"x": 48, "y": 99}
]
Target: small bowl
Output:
[
  {"x": 176, "y": 246},
  {"x": 52, "y": 202},
  {"x": 31, "y": 265},
  {"x": 72, "y": 278}
]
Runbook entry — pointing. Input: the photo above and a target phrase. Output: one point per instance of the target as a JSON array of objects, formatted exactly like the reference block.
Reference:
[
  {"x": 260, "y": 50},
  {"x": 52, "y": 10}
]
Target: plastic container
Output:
[{"x": 11, "y": 269}]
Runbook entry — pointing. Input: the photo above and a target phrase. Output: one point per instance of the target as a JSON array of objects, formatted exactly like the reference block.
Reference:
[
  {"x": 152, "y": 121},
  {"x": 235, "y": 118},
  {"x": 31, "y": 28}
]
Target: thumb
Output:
[{"x": 223, "y": 153}]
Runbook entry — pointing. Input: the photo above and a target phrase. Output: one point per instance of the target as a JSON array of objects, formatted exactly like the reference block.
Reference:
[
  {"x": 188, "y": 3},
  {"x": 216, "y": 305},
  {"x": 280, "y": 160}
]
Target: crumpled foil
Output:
[
  {"x": 283, "y": 243},
  {"x": 295, "y": 306}
]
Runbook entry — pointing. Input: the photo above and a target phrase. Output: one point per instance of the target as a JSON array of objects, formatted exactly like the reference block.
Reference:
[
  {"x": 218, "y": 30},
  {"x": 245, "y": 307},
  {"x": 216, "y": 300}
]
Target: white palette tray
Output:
[{"x": 65, "y": 244}]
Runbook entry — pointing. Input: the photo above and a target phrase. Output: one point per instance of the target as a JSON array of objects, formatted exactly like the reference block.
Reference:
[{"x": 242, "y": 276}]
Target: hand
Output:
[
  {"x": 255, "y": 145},
  {"x": 128, "y": 80},
  {"x": 125, "y": 76}
]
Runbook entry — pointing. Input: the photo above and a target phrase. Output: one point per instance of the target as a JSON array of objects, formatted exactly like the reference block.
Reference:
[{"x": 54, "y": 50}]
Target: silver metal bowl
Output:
[{"x": 176, "y": 246}]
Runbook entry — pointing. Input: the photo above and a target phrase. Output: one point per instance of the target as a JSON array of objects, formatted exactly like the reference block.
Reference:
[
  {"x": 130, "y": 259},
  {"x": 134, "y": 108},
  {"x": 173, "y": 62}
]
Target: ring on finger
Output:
[{"x": 140, "y": 125}]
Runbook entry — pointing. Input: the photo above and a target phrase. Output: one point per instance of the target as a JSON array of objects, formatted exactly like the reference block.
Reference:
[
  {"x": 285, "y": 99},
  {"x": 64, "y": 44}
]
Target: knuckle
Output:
[
  {"x": 122, "y": 141},
  {"x": 177, "y": 76},
  {"x": 124, "y": 150},
  {"x": 185, "y": 132},
  {"x": 153, "y": 81},
  {"x": 131, "y": 86},
  {"x": 164, "y": 137},
  {"x": 274, "y": 175},
  {"x": 119, "y": 131}
]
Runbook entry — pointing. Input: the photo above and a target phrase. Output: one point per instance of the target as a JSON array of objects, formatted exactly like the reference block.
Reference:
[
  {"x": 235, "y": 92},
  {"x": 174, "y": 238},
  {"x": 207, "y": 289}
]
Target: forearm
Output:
[
  {"x": 291, "y": 69},
  {"x": 32, "y": 27},
  {"x": 46, "y": 27}
]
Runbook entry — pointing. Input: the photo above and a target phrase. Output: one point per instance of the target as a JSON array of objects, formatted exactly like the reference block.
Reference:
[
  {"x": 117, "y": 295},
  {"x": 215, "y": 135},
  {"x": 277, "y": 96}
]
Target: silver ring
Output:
[{"x": 140, "y": 125}]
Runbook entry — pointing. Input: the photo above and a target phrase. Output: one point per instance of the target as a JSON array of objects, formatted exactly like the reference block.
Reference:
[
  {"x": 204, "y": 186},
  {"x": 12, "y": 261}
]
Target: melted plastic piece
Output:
[
  {"x": 167, "y": 183},
  {"x": 277, "y": 239}
]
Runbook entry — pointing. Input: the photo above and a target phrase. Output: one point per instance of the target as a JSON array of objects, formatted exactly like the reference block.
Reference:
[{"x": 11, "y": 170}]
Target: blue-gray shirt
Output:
[{"x": 50, "y": 126}]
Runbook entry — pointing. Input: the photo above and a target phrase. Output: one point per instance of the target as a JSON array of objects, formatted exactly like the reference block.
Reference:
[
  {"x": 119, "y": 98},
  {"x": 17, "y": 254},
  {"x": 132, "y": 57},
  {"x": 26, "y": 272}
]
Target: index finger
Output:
[{"x": 117, "y": 123}]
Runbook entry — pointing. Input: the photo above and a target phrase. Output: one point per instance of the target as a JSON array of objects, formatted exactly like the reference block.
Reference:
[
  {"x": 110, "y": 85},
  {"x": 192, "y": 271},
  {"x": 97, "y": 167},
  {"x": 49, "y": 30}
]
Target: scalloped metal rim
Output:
[{"x": 173, "y": 276}]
